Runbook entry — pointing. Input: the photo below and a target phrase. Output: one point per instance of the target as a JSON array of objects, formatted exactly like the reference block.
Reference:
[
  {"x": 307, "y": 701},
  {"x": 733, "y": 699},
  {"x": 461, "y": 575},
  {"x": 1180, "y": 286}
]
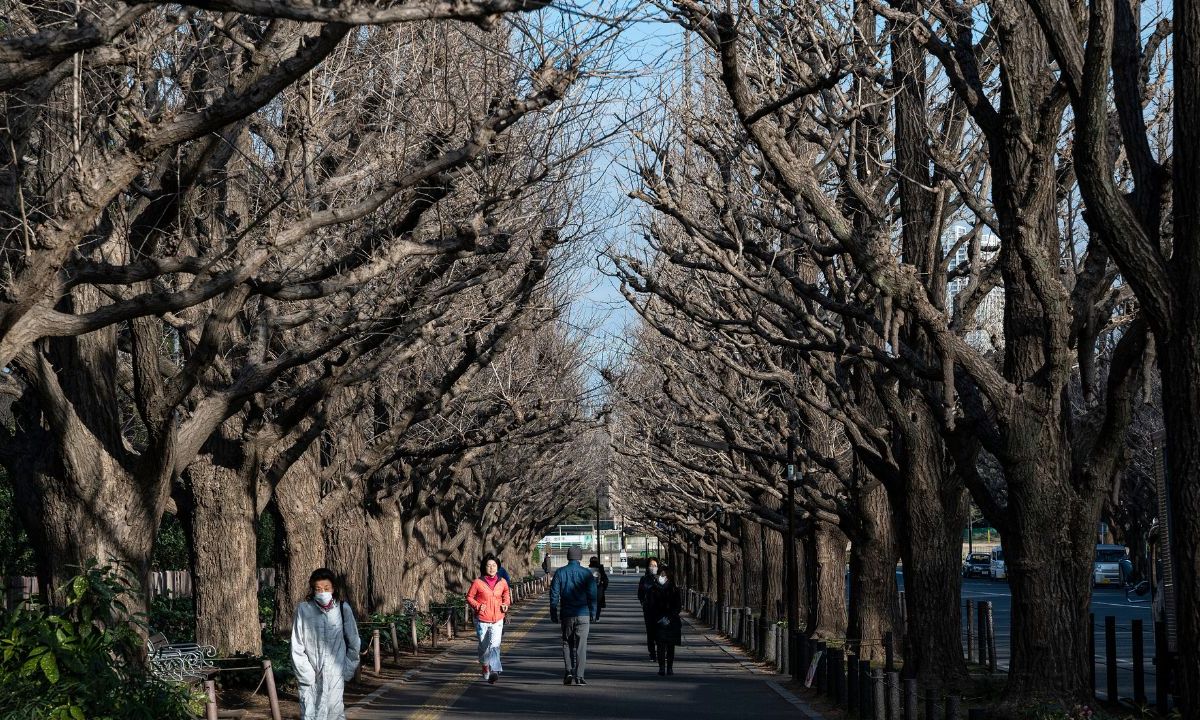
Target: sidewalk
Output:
[{"x": 710, "y": 681}]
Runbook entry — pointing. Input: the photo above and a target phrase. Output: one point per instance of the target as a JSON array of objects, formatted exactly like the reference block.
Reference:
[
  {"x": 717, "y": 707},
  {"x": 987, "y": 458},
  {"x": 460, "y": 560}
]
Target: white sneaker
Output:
[{"x": 487, "y": 672}]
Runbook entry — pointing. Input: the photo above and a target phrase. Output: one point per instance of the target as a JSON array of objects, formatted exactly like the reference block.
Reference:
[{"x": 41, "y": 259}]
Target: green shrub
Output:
[
  {"x": 174, "y": 617},
  {"x": 80, "y": 662}
]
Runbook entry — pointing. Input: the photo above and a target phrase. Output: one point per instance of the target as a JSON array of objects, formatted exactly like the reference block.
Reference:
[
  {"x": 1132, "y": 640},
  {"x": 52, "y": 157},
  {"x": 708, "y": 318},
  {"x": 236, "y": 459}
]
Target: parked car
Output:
[
  {"x": 977, "y": 565},
  {"x": 1107, "y": 568},
  {"x": 997, "y": 564}
]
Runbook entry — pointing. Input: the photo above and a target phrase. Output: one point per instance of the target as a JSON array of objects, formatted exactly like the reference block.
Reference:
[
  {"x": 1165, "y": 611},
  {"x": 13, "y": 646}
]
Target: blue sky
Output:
[{"x": 648, "y": 55}]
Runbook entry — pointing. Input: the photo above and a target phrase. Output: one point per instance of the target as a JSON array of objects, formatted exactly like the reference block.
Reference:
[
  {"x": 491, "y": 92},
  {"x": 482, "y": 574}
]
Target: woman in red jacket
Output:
[{"x": 489, "y": 597}]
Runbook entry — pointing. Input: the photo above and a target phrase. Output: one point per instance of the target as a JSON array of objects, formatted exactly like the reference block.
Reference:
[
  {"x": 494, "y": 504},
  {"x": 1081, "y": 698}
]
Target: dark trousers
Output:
[
  {"x": 574, "y": 644},
  {"x": 651, "y": 631},
  {"x": 666, "y": 655}
]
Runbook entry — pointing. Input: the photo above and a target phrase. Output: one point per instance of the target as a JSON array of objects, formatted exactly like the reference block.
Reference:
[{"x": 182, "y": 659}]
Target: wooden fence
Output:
[{"x": 171, "y": 583}]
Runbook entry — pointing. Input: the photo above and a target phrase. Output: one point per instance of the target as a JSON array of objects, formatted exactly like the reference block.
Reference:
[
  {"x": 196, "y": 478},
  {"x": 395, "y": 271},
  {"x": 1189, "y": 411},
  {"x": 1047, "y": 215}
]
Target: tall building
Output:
[{"x": 985, "y": 332}]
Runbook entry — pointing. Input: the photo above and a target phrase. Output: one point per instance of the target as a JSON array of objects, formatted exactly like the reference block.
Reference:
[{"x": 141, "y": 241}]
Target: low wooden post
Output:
[
  {"x": 395, "y": 643},
  {"x": 879, "y": 694},
  {"x": 931, "y": 709},
  {"x": 433, "y": 632},
  {"x": 822, "y": 675},
  {"x": 1110, "y": 657},
  {"x": 839, "y": 677},
  {"x": 991, "y": 638},
  {"x": 981, "y": 645},
  {"x": 1162, "y": 669},
  {"x": 889, "y": 652},
  {"x": 970, "y": 630},
  {"x": 210, "y": 707},
  {"x": 893, "y": 688},
  {"x": 910, "y": 699},
  {"x": 851, "y": 684},
  {"x": 272, "y": 694},
  {"x": 952, "y": 705},
  {"x": 375, "y": 651},
  {"x": 865, "y": 693},
  {"x": 1139, "y": 670},
  {"x": 412, "y": 634},
  {"x": 1092, "y": 651}
]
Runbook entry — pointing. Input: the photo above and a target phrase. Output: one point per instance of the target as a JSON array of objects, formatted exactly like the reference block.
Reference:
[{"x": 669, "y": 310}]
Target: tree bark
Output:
[
  {"x": 1180, "y": 357},
  {"x": 750, "y": 536},
  {"x": 931, "y": 508},
  {"x": 297, "y": 497},
  {"x": 873, "y": 593},
  {"x": 346, "y": 549},
  {"x": 1181, "y": 401},
  {"x": 221, "y": 509},
  {"x": 827, "y": 582}
]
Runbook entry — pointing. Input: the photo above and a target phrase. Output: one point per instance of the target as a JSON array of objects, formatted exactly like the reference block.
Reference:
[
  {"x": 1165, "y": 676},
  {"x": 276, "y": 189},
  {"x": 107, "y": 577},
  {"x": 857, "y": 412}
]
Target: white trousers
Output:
[{"x": 489, "y": 644}]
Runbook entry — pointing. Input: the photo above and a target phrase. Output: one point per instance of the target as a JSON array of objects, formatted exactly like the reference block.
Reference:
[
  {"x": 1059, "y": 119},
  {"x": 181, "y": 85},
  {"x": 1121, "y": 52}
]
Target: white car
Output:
[{"x": 1107, "y": 568}]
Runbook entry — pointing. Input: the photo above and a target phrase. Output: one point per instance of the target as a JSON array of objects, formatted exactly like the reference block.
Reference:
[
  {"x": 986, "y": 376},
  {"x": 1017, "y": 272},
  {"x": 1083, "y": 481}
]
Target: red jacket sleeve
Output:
[
  {"x": 473, "y": 596},
  {"x": 506, "y": 594}
]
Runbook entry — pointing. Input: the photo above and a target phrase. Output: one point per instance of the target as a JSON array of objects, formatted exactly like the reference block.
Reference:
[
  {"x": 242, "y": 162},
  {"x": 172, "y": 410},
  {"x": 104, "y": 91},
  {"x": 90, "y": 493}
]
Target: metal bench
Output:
[{"x": 179, "y": 662}]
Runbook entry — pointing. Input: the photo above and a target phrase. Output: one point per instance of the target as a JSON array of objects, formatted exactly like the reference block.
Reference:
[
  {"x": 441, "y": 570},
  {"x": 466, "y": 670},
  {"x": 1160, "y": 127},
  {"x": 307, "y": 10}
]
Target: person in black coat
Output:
[
  {"x": 601, "y": 582},
  {"x": 664, "y": 604},
  {"x": 645, "y": 585}
]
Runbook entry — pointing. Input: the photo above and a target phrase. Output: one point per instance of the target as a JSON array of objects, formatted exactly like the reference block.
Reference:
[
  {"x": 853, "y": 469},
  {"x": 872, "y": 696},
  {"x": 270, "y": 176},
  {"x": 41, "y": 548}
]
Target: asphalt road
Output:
[{"x": 622, "y": 682}]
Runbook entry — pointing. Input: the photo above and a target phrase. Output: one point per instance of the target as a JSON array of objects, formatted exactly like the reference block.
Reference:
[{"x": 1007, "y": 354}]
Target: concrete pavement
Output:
[{"x": 709, "y": 682}]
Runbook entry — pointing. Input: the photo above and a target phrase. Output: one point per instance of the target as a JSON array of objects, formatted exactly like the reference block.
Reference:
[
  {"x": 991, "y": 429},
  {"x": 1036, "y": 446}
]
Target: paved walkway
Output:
[{"x": 622, "y": 682}]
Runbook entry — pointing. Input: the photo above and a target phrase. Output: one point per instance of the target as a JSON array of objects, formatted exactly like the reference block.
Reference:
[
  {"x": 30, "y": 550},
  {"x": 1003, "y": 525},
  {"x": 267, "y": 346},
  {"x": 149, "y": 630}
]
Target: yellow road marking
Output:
[{"x": 448, "y": 694}]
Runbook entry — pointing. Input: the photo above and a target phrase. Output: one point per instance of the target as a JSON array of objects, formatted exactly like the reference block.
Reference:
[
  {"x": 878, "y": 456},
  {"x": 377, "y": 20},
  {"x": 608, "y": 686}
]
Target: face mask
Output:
[
  {"x": 662, "y": 579},
  {"x": 324, "y": 597}
]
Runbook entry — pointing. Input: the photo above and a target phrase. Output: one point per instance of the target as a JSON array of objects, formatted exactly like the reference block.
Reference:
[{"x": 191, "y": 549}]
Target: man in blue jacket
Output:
[{"x": 573, "y": 604}]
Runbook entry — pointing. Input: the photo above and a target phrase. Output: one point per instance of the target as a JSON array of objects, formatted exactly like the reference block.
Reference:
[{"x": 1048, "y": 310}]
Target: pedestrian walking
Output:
[
  {"x": 325, "y": 648},
  {"x": 645, "y": 585},
  {"x": 601, "y": 584},
  {"x": 502, "y": 573},
  {"x": 665, "y": 603},
  {"x": 489, "y": 597},
  {"x": 547, "y": 564},
  {"x": 573, "y": 599}
]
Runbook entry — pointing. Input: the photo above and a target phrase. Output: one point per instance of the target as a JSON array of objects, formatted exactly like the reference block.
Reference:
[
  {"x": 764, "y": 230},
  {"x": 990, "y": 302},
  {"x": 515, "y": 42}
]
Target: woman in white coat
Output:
[{"x": 325, "y": 648}]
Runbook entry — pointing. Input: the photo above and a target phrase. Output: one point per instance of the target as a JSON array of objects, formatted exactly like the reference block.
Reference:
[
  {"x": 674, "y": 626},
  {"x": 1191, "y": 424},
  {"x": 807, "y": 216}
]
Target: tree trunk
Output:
[
  {"x": 346, "y": 549},
  {"x": 827, "y": 582},
  {"x": 297, "y": 497},
  {"x": 390, "y": 543},
  {"x": 773, "y": 592},
  {"x": 221, "y": 508},
  {"x": 931, "y": 509},
  {"x": 1181, "y": 405},
  {"x": 83, "y": 513},
  {"x": 873, "y": 592},
  {"x": 750, "y": 537},
  {"x": 1180, "y": 359}
]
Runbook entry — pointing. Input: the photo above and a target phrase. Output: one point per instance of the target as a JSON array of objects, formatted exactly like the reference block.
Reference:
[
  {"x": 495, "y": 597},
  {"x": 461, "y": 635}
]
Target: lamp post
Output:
[{"x": 793, "y": 588}]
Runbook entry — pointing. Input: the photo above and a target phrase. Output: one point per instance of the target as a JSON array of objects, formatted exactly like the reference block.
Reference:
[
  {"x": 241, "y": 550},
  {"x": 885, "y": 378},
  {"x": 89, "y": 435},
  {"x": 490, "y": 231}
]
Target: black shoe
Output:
[
  {"x": 493, "y": 678},
  {"x": 662, "y": 672},
  {"x": 568, "y": 679},
  {"x": 670, "y": 670},
  {"x": 580, "y": 681}
]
